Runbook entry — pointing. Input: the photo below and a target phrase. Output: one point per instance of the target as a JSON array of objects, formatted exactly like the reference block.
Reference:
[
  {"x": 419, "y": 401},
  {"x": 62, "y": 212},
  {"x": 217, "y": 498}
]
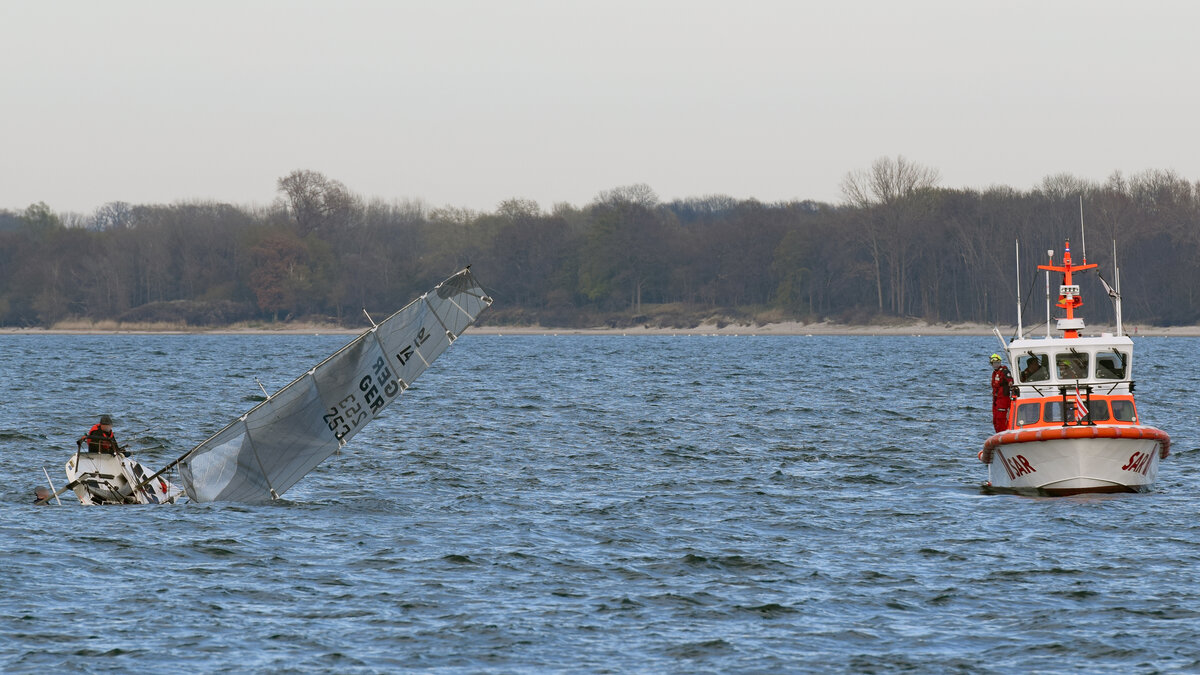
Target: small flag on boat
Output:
[
  {"x": 1112, "y": 292},
  {"x": 1081, "y": 410}
]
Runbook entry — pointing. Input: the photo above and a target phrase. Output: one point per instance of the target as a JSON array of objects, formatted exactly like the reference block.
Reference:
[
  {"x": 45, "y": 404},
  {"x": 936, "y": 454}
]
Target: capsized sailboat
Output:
[
  {"x": 1073, "y": 426},
  {"x": 265, "y": 451}
]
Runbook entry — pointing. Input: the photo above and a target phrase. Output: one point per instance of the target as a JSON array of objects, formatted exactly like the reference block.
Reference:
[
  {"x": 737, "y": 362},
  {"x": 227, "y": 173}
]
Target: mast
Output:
[
  {"x": 1050, "y": 255},
  {"x": 274, "y": 444},
  {"x": 1082, "y": 238},
  {"x": 1117, "y": 281},
  {"x": 1068, "y": 292},
  {"x": 1018, "y": 247}
]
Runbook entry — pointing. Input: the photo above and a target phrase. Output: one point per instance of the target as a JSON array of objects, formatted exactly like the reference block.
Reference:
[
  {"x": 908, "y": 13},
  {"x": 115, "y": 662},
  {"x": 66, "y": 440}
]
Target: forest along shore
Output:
[{"x": 782, "y": 328}]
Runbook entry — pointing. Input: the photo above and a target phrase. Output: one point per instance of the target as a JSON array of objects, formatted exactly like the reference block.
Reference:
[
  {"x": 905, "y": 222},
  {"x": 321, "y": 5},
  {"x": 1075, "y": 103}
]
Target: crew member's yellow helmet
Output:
[{"x": 994, "y": 358}]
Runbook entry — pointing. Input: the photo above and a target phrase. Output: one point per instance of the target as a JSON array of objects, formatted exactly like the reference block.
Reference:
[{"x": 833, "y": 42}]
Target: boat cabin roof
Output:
[{"x": 1106, "y": 339}]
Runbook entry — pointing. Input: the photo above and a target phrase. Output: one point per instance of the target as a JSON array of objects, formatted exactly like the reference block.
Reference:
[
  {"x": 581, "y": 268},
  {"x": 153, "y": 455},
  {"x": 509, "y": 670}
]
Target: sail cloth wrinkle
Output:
[{"x": 280, "y": 440}]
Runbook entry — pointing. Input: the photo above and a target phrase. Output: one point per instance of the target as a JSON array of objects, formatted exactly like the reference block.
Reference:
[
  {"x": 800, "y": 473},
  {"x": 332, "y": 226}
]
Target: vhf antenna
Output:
[{"x": 1082, "y": 239}]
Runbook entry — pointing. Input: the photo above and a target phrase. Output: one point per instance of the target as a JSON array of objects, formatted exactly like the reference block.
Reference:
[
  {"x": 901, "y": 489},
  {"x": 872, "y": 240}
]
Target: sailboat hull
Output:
[
  {"x": 102, "y": 478},
  {"x": 1068, "y": 465}
]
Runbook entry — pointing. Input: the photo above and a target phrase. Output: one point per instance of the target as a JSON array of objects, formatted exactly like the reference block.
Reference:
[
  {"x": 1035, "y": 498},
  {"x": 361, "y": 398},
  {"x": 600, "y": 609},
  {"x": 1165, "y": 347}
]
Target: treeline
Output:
[{"x": 899, "y": 245}]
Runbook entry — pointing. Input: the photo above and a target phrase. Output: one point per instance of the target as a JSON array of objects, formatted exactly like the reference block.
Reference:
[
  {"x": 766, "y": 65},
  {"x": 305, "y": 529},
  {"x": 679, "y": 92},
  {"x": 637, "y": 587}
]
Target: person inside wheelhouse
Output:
[
  {"x": 1072, "y": 366},
  {"x": 1033, "y": 368},
  {"x": 1111, "y": 365}
]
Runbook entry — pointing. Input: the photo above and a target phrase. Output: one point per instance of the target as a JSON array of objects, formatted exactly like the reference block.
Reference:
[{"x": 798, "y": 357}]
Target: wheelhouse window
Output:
[
  {"x": 1112, "y": 365},
  {"x": 1123, "y": 411},
  {"x": 1033, "y": 368},
  {"x": 1071, "y": 365},
  {"x": 1098, "y": 410},
  {"x": 1052, "y": 411},
  {"x": 1028, "y": 413}
]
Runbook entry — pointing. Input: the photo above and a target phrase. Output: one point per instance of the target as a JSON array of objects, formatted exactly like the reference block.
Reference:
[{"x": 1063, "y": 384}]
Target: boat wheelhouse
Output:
[{"x": 1052, "y": 374}]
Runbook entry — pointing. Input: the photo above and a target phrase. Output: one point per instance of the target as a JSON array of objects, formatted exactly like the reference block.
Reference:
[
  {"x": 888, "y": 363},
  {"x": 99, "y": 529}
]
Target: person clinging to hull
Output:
[
  {"x": 1002, "y": 385},
  {"x": 100, "y": 437}
]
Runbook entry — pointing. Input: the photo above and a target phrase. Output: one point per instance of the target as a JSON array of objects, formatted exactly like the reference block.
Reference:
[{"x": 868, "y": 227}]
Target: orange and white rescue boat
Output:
[{"x": 1073, "y": 425}]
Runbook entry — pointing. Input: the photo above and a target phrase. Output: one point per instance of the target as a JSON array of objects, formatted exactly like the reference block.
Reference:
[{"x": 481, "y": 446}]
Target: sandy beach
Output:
[
  {"x": 782, "y": 328},
  {"x": 827, "y": 328}
]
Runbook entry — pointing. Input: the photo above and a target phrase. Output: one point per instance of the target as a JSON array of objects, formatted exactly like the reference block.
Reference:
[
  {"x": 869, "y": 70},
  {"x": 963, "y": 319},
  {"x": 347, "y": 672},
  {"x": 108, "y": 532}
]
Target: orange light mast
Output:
[{"x": 1068, "y": 293}]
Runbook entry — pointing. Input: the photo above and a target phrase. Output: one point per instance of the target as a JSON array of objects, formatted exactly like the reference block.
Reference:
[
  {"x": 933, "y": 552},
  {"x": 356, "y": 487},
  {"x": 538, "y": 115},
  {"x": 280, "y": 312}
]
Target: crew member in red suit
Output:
[
  {"x": 100, "y": 437},
  {"x": 1002, "y": 384}
]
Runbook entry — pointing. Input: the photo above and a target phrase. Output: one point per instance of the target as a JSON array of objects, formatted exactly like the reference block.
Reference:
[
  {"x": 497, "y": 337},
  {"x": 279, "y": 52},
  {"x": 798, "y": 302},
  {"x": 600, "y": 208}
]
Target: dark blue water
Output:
[{"x": 594, "y": 504}]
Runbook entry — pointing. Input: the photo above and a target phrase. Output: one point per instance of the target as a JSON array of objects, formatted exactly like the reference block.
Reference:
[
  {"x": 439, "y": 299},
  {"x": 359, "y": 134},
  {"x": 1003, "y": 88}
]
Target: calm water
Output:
[{"x": 594, "y": 504}]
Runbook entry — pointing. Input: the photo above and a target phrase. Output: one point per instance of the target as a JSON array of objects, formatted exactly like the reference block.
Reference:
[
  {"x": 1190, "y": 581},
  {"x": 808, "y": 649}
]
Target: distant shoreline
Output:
[{"x": 783, "y": 328}]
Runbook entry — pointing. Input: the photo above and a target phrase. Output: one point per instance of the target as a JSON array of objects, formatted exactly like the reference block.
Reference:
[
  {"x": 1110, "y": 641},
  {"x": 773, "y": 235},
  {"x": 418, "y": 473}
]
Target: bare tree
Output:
[
  {"x": 627, "y": 238},
  {"x": 885, "y": 195},
  {"x": 113, "y": 216},
  {"x": 316, "y": 202},
  {"x": 638, "y": 194},
  {"x": 517, "y": 208},
  {"x": 888, "y": 181}
]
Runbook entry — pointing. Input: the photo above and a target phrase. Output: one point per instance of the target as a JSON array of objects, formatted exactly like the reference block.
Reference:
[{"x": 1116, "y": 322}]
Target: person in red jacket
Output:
[
  {"x": 100, "y": 437},
  {"x": 1002, "y": 384}
]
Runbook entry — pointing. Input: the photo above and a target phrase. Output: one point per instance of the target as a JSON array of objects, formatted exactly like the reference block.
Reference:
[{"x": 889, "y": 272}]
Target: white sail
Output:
[{"x": 265, "y": 451}]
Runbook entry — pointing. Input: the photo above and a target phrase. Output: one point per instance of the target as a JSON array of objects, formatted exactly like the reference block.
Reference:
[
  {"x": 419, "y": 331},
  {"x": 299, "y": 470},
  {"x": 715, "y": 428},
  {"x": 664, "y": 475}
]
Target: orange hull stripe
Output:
[{"x": 1059, "y": 433}]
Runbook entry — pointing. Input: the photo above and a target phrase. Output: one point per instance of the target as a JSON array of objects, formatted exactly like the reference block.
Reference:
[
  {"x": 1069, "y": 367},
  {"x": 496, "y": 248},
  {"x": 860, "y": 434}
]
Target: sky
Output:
[{"x": 470, "y": 103}]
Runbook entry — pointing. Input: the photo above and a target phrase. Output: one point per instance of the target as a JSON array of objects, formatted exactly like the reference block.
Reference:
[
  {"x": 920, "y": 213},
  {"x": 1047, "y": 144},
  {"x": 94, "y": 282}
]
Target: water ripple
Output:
[{"x": 591, "y": 504}]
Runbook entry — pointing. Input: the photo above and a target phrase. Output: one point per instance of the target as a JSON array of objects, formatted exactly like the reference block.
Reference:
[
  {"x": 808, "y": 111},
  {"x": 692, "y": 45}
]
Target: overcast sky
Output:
[{"x": 471, "y": 103}]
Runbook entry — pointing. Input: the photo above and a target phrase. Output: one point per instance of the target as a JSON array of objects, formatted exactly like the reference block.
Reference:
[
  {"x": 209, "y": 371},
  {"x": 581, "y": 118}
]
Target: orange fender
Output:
[{"x": 1057, "y": 433}]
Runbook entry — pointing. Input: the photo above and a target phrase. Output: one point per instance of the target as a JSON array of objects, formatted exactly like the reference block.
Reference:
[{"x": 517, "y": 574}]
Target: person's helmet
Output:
[
  {"x": 105, "y": 419},
  {"x": 994, "y": 358}
]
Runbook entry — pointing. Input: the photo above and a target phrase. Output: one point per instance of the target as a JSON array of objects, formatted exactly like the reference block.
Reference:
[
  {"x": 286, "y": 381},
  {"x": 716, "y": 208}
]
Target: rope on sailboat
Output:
[{"x": 166, "y": 468}]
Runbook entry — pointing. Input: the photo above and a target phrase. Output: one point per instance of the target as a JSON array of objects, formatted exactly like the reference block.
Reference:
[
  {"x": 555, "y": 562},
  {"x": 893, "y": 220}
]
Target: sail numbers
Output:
[
  {"x": 378, "y": 388},
  {"x": 383, "y": 378}
]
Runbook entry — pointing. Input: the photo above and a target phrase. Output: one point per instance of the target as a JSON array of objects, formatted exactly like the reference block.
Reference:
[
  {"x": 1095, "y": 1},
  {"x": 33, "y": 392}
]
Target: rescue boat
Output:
[{"x": 1073, "y": 424}]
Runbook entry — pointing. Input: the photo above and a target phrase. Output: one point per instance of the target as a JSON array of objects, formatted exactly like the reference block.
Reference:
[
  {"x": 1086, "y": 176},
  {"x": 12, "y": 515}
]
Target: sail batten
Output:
[
  {"x": 286, "y": 436},
  {"x": 449, "y": 335}
]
